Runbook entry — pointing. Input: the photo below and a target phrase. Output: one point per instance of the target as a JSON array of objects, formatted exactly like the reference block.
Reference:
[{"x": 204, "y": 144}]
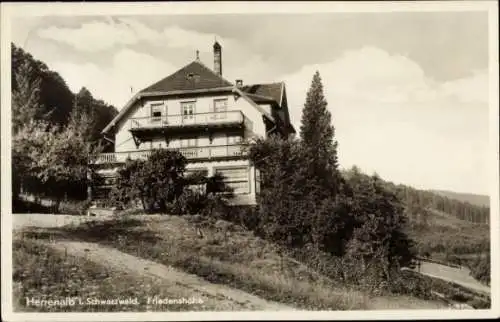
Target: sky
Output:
[{"x": 408, "y": 91}]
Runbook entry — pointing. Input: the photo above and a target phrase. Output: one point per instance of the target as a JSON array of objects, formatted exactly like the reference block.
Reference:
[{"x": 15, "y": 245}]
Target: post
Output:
[{"x": 89, "y": 184}]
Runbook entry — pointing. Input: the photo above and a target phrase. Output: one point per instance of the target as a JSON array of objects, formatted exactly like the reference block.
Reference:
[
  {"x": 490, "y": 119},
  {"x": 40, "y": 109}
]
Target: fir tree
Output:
[{"x": 317, "y": 136}]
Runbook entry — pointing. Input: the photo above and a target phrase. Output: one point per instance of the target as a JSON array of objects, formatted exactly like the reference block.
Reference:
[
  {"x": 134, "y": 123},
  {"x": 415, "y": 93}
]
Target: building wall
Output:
[
  {"x": 240, "y": 197},
  {"x": 254, "y": 125}
]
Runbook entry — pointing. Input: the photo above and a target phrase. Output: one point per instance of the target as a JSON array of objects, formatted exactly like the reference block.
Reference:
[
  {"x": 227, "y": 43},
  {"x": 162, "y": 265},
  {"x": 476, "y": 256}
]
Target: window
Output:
[
  {"x": 220, "y": 108},
  {"x": 203, "y": 171},
  {"x": 188, "y": 110},
  {"x": 234, "y": 139},
  {"x": 236, "y": 178},
  {"x": 156, "y": 111},
  {"x": 189, "y": 142}
]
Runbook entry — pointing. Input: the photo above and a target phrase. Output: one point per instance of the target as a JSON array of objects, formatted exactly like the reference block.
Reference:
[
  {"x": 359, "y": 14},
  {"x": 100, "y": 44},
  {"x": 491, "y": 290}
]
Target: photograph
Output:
[{"x": 230, "y": 161}]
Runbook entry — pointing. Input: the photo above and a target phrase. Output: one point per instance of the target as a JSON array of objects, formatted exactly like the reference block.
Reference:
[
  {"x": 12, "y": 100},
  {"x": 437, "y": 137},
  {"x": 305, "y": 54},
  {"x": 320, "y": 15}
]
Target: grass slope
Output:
[
  {"x": 230, "y": 255},
  {"x": 44, "y": 274}
]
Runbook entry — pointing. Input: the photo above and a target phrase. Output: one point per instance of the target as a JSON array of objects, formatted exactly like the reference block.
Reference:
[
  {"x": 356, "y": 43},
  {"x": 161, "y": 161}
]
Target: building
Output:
[{"x": 206, "y": 117}]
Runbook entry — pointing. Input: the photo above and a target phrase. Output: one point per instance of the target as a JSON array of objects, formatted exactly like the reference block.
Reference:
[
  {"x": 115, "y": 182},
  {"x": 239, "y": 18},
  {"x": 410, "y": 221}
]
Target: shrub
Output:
[
  {"x": 481, "y": 269},
  {"x": 409, "y": 283},
  {"x": 159, "y": 185},
  {"x": 74, "y": 207}
]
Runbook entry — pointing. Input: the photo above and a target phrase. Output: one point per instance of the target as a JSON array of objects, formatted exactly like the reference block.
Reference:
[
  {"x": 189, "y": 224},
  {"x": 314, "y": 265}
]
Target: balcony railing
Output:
[
  {"x": 190, "y": 153},
  {"x": 213, "y": 118}
]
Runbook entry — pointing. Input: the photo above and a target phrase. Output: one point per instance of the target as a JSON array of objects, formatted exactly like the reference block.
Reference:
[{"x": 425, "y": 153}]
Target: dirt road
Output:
[
  {"x": 460, "y": 276},
  {"x": 46, "y": 220},
  {"x": 213, "y": 295}
]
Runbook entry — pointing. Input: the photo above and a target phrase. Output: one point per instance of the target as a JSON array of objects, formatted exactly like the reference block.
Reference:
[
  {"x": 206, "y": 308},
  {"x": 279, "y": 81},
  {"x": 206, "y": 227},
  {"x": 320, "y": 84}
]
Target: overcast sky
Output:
[{"x": 408, "y": 91}]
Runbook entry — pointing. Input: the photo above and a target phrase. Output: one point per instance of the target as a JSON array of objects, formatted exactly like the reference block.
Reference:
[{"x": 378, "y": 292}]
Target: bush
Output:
[
  {"x": 74, "y": 207},
  {"x": 409, "y": 283},
  {"x": 481, "y": 269},
  {"x": 159, "y": 185},
  {"x": 130, "y": 212},
  {"x": 155, "y": 182}
]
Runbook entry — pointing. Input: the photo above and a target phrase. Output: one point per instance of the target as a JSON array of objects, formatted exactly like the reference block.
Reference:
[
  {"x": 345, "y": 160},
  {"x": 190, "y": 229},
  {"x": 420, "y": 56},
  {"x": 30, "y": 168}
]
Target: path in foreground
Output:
[{"x": 214, "y": 295}]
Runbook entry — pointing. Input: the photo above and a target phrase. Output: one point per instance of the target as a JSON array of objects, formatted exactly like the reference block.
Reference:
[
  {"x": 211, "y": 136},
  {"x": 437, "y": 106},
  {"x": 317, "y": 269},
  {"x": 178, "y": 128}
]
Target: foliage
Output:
[
  {"x": 363, "y": 224},
  {"x": 283, "y": 187},
  {"x": 156, "y": 182},
  {"x": 306, "y": 203},
  {"x": 159, "y": 185},
  {"x": 481, "y": 268},
  {"x": 379, "y": 223},
  {"x": 53, "y": 95},
  {"x": 77, "y": 208},
  {"x": 52, "y": 136},
  {"x": 317, "y": 139},
  {"x": 419, "y": 201},
  {"x": 26, "y": 105},
  {"x": 50, "y": 162}
]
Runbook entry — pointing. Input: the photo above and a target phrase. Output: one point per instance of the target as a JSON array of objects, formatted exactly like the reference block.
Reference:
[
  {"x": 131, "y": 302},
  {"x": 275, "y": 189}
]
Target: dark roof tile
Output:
[
  {"x": 272, "y": 90},
  {"x": 192, "y": 76}
]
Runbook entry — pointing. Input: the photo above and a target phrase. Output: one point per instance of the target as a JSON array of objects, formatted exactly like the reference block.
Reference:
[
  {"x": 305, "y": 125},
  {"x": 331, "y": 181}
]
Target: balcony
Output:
[
  {"x": 213, "y": 120},
  {"x": 204, "y": 153}
]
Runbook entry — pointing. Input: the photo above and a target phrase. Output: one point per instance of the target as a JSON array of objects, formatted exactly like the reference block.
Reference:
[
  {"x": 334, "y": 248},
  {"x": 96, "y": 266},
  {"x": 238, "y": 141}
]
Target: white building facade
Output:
[{"x": 205, "y": 117}]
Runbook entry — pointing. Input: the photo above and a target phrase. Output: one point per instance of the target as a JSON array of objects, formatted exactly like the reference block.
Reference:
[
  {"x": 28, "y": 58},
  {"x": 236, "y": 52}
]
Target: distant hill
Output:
[{"x": 478, "y": 200}]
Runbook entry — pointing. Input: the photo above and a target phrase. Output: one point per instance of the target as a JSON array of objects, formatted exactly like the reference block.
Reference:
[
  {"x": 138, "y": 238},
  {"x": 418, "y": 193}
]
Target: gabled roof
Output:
[
  {"x": 260, "y": 99},
  {"x": 272, "y": 90},
  {"x": 271, "y": 93},
  {"x": 195, "y": 77},
  {"x": 192, "y": 76}
]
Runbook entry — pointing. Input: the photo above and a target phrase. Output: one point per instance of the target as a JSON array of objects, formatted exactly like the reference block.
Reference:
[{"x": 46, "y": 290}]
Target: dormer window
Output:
[{"x": 193, "y": 78}]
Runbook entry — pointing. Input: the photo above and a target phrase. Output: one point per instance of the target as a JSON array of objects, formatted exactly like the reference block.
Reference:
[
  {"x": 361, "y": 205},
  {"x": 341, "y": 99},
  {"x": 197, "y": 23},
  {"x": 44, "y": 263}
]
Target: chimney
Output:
[
  {"x": 217, "y": 58},
  {"x": 239, "y": 83}
]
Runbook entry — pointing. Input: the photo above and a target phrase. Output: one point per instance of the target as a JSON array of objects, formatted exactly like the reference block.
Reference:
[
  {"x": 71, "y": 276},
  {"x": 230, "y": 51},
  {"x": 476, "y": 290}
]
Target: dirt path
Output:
[
  {"x": 214, "y": 295},
  {"x": 20, "y": 221}
]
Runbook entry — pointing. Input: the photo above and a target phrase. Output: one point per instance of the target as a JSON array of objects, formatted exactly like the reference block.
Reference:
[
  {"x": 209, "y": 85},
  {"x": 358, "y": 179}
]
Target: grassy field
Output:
[
  {"x": 224, "y": 253},
  {"x": 40, "y": 273}
]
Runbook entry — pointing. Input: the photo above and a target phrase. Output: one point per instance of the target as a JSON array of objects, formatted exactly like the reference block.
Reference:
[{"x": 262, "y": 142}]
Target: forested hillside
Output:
[
  {"x": 54, "y": 98},
  {"x": 448, "y": 229},
  {"x": 54, "y": 133},
  {"x": 475, "y": 199},
  {"x": 418, "y": 203}
]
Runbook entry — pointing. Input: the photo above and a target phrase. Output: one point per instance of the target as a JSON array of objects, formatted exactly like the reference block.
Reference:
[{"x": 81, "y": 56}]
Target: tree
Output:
[
  {"x": 284, "y": 204},
  {"x": 317, "y": 137},
  {"x": 157, "y": 182},
  {"x": 99, "y": 112},
  {"x": 378, "y": 239},
  {"x": 26, "y": 105},
  {"x": 52, "y": 137},
  {"x": 30, "y": 143},
  {"x": 68, "y": 158}
]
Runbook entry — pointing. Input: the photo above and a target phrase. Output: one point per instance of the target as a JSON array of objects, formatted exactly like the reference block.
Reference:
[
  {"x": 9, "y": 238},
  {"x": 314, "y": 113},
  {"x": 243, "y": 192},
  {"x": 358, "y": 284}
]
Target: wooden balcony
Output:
[
  {"x": 187, "y": 123},
  {"x": 204, "y": 153}
]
